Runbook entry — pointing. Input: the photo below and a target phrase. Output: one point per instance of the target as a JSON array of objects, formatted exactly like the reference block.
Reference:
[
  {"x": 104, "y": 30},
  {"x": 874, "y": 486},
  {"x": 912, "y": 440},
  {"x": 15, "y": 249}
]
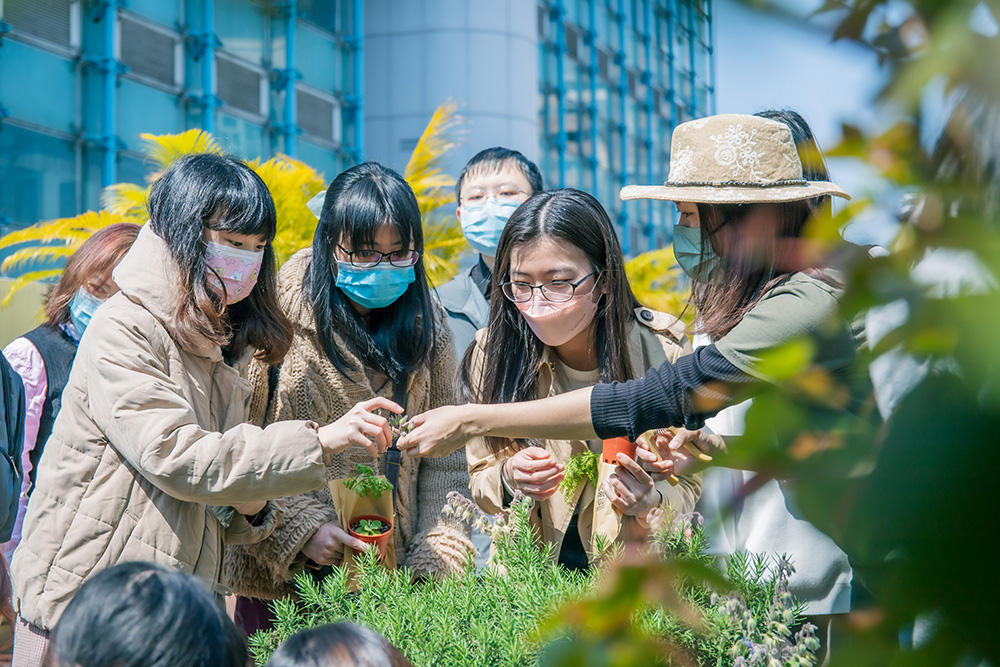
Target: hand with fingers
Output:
[
  {"x": 360, "y": 426},
  {"x": 534, "y": 472},
  {"x": 690, "y": 451},
  {"x": 632, "y": 490},
  {"x": 437, "y": 432},
  {"x": 326, "y": 546}
]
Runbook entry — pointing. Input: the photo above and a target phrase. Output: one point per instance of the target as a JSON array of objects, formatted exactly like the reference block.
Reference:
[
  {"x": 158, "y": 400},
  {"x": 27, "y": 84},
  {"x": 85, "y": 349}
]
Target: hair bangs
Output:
[{"x": 244, "y": 205}]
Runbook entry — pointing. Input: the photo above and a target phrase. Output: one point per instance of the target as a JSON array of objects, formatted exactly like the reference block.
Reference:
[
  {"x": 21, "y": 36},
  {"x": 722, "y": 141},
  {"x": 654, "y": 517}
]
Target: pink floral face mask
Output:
[{"x": 238, "y": 270}]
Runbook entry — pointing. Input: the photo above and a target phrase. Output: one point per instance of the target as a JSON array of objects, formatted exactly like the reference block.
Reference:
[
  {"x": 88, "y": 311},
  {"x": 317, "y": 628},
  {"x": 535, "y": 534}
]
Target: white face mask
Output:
[{"x": 556, "y": 324}]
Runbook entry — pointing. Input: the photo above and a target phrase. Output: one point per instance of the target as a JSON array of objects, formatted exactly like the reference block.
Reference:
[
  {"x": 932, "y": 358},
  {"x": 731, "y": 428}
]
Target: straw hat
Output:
[{"x": 733, "y": 159}]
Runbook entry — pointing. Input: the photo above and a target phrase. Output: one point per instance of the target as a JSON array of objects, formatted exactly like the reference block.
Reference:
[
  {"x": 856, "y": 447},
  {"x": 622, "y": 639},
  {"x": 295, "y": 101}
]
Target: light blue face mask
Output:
[
  {"x": 81, "y": 308},
  {"x": 687, "y": 251},
  {"x": 374, "y": 287},
  {"x": 483, "y": 224}
]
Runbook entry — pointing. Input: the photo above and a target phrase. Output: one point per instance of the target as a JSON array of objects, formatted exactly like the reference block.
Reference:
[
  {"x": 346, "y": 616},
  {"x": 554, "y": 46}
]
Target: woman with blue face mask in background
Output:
[
  {"x": 365, "y": 326},
  {"x": 44, "y": 356}
]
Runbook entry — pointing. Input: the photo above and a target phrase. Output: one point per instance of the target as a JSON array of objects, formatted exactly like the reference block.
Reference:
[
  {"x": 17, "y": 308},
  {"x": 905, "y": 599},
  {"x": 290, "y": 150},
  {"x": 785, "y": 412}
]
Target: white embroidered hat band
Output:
[{"x": 733, "y": 159}]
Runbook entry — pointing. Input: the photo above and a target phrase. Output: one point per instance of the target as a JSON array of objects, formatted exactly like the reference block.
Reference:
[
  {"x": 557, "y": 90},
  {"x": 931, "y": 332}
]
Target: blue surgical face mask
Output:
[
  {"x": 374, "y": 287},
  {"x": 688, "y": 251},
  {"x": 81, "y": 308},
  {"x": 483, "y": 223}
]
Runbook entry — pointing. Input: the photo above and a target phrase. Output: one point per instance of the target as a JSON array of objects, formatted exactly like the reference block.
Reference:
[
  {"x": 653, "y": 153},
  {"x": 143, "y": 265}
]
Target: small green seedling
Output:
[
  {"x": 365, "y": 482},
  {"x": 369, "y": 527},
  {"x": 580, "y": 468},
  {"x": 400, "y": 426}
]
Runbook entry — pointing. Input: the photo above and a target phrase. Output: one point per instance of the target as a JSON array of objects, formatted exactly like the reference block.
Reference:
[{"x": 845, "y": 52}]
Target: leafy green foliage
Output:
[
  {"x": 365, "y": 482},
  {"x": 580, "y": 468},
  {"x": 508, "y": 614}
]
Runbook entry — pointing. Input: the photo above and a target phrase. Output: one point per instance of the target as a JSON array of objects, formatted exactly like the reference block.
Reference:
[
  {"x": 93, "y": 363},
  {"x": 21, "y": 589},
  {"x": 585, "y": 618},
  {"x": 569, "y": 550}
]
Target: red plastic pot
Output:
[
  {"x": 381, "y": 541},
  {"x": 614, "y": 446}
]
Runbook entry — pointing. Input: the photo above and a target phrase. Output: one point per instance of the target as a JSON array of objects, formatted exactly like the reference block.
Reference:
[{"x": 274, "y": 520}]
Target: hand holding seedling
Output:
[
  {"x": 534, "y": 472},
  {"x": 360, "y": 426},
  {"x": 436, "y": 433},
  {"x": 326, "y": 546}
]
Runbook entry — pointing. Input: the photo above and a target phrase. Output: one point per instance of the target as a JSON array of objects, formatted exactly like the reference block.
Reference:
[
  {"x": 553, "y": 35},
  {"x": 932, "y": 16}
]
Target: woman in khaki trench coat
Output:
[{"x": 564, "y": 318}]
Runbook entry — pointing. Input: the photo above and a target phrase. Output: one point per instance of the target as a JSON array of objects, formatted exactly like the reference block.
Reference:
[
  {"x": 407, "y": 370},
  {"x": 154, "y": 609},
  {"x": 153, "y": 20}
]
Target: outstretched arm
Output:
[{"x": 441, "y": 431}]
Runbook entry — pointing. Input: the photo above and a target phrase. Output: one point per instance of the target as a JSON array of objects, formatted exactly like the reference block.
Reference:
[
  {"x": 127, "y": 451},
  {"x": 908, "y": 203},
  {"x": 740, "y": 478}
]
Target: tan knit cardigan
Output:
[{"x": 310, "y": 387}]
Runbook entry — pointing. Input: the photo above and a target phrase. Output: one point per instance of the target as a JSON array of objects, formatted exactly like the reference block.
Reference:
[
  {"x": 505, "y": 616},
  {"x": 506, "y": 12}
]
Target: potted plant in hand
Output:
[{"x": 369, "y": 528}]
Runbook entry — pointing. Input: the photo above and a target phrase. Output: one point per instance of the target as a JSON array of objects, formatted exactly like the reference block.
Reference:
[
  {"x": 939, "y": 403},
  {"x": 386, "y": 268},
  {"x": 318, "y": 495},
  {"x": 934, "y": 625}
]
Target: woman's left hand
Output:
[{"x": 631, "y": 490}]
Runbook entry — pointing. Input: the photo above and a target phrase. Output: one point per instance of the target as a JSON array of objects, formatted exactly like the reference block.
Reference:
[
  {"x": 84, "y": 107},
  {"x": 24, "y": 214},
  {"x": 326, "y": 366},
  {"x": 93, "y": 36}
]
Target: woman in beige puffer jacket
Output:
[{"x": 150, "y": 457}]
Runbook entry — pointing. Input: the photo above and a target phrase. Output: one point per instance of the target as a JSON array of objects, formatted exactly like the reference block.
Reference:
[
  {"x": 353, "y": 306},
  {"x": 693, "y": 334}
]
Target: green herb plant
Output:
[
  {"x": 365, "y": 482},
  {"x": 580, "y": 468},
  {"x": 526, "y": 610},
  {"x": 370, "y": 527}
]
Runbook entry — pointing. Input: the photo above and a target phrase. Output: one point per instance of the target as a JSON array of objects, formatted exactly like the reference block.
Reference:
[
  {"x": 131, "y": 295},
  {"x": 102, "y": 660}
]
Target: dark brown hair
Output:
[
  {"x": 185, "y": 201},
  {"x": 98, "y": 254},
  {"x": 513, "y": 353},
  {"x": 738, "y": 288},
  {"x": 738, "y": 285}
]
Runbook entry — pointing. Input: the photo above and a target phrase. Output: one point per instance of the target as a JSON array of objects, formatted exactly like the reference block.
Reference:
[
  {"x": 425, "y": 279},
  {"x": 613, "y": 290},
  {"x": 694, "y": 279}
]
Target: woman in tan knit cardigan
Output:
[{"x": 365, "y": 325}]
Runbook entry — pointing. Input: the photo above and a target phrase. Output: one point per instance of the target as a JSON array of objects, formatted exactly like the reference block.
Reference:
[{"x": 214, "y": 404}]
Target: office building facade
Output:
[
  {"x": 589, "y": 89},
  {"x": 81, "y": 81}
]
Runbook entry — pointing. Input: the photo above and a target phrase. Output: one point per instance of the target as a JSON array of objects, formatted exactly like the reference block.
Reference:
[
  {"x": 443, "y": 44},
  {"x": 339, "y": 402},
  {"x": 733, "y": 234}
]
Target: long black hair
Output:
[
  {"x": 144, "y": 615},
  {"x": 395, "y": 339},
  {"x": 513, "y": 353},
  {"x": 182, "y": 203}
]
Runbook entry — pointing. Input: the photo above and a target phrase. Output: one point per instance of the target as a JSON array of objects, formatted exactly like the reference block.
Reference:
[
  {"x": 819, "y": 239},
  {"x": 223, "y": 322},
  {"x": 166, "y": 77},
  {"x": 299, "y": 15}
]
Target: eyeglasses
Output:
[
  {"x": 505, "y": 194},
  {"x": 366, "y": 259},
  {"x": 556, "y": 291}
]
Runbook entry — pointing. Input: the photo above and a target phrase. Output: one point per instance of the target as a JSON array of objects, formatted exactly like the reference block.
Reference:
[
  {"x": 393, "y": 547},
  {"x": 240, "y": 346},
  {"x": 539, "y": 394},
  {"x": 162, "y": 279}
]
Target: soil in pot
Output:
[{"x": 381, "y": 541}]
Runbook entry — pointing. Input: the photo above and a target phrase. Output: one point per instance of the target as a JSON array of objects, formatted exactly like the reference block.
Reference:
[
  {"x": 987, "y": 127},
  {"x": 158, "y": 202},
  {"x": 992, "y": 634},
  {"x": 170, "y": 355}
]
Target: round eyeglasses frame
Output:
[{"x": 508, "y": 287}]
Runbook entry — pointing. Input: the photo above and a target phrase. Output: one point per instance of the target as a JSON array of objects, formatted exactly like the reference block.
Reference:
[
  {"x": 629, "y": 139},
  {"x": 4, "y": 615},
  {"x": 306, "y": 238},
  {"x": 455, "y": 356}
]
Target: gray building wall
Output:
[{"x": 482, "y": 54}]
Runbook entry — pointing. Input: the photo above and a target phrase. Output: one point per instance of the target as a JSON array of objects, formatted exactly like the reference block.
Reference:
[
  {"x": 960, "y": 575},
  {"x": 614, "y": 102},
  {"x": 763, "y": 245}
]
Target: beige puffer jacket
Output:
[
  {"x": 310, "y": 387},
  {"x": 653, "y": 339},
  {"x": 150, "y": 435}
]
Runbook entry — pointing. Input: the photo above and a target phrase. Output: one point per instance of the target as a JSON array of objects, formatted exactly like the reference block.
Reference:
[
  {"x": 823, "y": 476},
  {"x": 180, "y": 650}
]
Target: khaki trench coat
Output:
[{"x": 654, "y": 338}]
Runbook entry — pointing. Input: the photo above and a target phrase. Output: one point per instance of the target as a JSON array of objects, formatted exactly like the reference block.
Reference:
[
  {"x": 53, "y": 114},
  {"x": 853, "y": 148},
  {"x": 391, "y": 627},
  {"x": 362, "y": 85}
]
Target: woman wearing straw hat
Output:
[{"x": 737, "y": 182}]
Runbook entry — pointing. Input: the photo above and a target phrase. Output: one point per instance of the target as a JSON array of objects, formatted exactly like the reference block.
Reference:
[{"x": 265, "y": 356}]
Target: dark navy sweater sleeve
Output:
[{"x": 667, "y": 396}]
